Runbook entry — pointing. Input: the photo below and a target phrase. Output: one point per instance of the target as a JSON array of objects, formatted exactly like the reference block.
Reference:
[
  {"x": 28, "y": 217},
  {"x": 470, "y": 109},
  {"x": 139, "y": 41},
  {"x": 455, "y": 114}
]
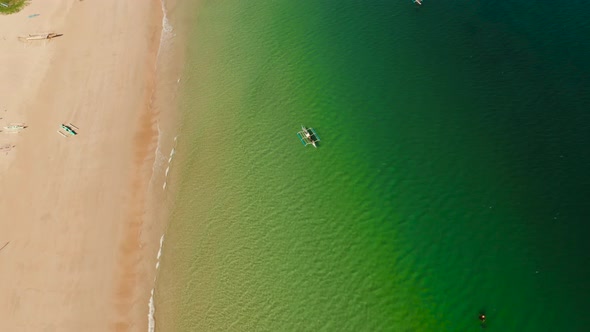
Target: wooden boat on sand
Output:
[
  {"x": 41, "y": 36},
  {"x": 15, "y": 127}
]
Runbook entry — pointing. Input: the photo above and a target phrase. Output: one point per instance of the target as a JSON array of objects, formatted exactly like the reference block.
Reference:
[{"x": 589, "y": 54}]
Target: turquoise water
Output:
[{"x": 450, "y": 179}]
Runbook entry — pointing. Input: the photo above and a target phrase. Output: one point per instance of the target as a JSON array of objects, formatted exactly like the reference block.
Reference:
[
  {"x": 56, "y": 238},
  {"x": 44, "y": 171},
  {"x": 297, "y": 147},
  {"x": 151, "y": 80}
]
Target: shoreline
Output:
[
  {"x": 78, "y": 220},
  {"x": 169, "y": 69}
]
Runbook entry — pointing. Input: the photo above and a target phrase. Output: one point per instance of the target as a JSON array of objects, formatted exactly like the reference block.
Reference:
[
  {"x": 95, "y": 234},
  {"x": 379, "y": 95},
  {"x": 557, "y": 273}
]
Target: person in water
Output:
[{"x": 482, "y": 319}]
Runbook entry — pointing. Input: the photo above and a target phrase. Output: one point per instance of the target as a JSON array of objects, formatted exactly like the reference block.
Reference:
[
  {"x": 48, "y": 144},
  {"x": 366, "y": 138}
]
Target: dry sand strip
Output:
[{"x": 71, "y": 209}]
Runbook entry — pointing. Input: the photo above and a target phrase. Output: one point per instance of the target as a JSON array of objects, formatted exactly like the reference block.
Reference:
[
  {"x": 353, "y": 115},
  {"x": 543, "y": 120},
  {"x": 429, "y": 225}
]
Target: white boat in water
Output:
[{"x": 308, "y": 136}]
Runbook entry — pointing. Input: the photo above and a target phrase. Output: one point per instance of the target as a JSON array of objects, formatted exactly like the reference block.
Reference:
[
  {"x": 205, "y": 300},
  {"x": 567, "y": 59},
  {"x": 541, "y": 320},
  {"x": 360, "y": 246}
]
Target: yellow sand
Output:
[{"x": 80, "y": 256}]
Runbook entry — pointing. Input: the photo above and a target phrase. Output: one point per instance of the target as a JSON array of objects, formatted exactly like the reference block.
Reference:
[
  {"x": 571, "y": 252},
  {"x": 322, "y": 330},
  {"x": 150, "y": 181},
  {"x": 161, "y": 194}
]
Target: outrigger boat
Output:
[
  {"x": 418, "y": 2},
  {"x": 308, "y": 136},
  {"x": 15, "y": 127},
  {"x": 41, "y": 36},
  {"x": 68, "y": 130}
]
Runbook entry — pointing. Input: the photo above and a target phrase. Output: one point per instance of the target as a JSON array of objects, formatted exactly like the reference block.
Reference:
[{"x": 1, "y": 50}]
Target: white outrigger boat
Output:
[
  {"x": 15, "y": 127},
  {"x": 418, "y": 2},
  {"x": 308, "y": 136},
  {"x": 40, "y": 36}
]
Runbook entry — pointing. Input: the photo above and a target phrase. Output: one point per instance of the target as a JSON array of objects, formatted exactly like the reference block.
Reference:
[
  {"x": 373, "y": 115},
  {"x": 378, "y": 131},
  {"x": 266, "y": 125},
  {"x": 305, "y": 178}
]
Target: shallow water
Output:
[{"x": 450, "y": 179}]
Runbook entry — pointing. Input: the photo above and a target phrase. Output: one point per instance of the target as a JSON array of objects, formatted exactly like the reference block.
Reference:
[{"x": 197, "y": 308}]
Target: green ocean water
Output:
[{"x": 450, "y": 178}]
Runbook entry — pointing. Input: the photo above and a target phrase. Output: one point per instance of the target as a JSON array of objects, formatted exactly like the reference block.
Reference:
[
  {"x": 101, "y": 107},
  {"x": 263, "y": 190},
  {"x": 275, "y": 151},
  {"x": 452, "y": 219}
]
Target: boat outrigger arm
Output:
[{"x": 308, "y": 136}]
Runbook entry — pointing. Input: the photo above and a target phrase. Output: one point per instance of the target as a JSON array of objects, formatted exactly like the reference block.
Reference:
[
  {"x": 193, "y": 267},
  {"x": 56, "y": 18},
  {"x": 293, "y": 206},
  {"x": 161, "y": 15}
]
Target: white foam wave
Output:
[
  {"x": 152, "y": 310},
  {"x": 167, "y": 33},
  {"x": 151, "y": 306},
  {"x": 172, "y": 153}
]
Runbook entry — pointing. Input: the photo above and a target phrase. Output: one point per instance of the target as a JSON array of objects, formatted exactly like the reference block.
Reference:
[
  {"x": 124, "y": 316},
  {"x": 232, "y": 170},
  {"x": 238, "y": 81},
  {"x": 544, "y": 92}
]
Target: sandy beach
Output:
[{"x": 77, "y": 253}]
